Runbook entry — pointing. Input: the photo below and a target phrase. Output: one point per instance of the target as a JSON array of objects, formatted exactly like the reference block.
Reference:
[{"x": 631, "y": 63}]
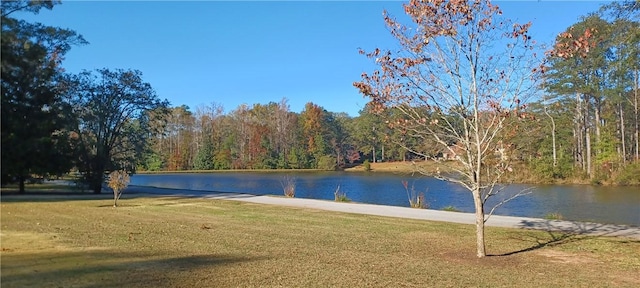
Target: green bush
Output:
[
  {"x": 451, "y": 209},
  {"x": 543, "y": 169},
  {"x": 327, "y": 162},
  {"x": 553, "y": 216},
  {"x": 630, "y": 175},
  {"x": 367, "y": 165},
  {"x": 340, "y": 196}
]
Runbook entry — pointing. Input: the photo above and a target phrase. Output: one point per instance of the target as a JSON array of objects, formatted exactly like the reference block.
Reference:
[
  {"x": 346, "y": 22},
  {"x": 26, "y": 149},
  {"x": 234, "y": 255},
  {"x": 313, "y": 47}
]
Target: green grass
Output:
[
  {"x": 342, "y": 198},
  {"x": 554, "y": 216},
  {"x": 44, "y": 188},
  {"x": 188, "y": 242},
  {"x": 451, "y": 209}
]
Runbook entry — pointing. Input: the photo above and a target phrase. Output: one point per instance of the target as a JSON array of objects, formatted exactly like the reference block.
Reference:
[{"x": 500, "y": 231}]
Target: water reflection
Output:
[{"x": 619, "y": 205}]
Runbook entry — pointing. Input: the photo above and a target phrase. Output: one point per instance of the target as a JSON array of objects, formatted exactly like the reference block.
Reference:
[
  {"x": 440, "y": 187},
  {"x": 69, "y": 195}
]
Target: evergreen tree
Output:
[
  {"x": 204, "y": 157},
  {"x": 35, "y": 120}
]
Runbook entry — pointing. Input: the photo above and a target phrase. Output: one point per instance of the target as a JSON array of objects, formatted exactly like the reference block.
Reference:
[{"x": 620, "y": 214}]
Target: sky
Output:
[{"x": 231, "y": 53}]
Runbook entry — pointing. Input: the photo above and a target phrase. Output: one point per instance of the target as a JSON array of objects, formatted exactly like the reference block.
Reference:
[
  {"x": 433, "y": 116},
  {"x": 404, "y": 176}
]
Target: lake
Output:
[{"x": 616, "y": 205}]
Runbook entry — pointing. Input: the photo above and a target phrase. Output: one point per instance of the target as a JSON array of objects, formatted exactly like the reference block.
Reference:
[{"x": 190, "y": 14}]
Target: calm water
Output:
[{"x": 619, "y": 205}]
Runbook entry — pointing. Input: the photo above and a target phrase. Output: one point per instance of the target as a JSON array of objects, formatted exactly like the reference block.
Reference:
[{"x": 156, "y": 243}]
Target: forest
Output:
[{"x": 582, "y": 126}]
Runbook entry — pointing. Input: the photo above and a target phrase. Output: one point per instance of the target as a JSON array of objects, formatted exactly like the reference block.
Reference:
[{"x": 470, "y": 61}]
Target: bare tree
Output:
[
  {"x": 118, "y": 180},
  {"x": 288, "y": 183},
  {"x": 460, "y": 79}
]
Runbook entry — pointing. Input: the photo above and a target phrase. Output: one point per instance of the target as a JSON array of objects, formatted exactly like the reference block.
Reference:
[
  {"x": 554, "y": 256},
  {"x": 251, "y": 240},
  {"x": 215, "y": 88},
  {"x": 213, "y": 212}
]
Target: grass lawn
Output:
[{"x": 82, "y": 241}]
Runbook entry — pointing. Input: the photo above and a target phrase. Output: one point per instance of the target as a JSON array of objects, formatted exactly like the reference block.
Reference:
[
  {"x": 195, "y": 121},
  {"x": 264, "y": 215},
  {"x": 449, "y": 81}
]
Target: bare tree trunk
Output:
[
  {"x": 553, "y": 142},
  {"x": 578, "y": 134},
  {"x": 115, "y": 198},
  {"x": 587, "y": 139},
  {"x": 635, "y": 112},
  {"x": 373, "y": 153},
  {"x": 598, "y": 119},
  {"x": 622, "y": 135},
  {"x": 477, "y": 201},
  {"x": 553, "y": 136},
  {"x": 21, "y": 180}
]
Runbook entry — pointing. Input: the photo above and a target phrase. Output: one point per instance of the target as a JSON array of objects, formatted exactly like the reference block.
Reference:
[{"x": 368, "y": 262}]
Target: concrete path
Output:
[{"x": 571, "y": 227}]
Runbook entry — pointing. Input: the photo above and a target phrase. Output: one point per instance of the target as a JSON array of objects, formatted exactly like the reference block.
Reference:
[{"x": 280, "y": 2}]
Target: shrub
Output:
[
  {"x": 630, "y": 175},
  {"x": 118, "y": 180},
  {"x": 288, "y": 183},
  {"x": 416, "y": 200},
  {"x": 451, "y": 209},
  {"x": 340, "y": 196},
  {"x": 367, "y": 165},
  {"x": 544, "y": 169},
  {"x": 553, "y": 216},
  {"x": 327, "y": 162}
]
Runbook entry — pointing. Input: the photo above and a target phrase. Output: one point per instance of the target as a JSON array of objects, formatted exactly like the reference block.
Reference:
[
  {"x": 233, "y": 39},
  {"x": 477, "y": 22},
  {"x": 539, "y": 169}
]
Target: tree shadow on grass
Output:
[
  {"x": 563, "y": 232},
  {"x": 109, "y": 269}
]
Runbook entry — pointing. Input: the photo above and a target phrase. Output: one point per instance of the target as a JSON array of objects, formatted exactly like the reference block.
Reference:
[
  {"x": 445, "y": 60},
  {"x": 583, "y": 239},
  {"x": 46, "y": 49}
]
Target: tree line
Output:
[{"x": 268, "y": 136}]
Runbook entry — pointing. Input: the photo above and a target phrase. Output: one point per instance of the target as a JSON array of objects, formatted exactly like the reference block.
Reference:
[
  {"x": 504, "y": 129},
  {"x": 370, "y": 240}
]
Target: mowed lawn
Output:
[{"x": 151, "y": 241}]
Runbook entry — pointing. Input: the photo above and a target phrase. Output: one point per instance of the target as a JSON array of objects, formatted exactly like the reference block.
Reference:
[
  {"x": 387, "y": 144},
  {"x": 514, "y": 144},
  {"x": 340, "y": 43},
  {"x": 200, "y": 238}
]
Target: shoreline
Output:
[{"x": 395, "y": 168}]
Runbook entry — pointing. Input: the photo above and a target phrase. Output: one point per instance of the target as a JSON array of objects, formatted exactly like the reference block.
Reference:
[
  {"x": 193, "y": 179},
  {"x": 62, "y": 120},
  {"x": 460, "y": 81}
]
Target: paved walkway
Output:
[{"x": 582, "y": 228}]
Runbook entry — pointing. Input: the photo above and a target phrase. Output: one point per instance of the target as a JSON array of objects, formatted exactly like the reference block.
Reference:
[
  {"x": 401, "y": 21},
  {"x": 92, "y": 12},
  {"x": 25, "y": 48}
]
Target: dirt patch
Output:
[
  {"x": 563, "y": 257},
  {"x": 407, "y": 167},
  {"x": 467, "y": 257},
  {"x": 29, "y": 243},
  {"x": 12, "y": 241}
]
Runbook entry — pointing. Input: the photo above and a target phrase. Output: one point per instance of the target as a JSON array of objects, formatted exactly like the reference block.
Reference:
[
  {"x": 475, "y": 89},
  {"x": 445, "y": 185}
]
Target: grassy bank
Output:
[
  {"x": 56, "y": 241},
  {"x": 403, "y": 167}
]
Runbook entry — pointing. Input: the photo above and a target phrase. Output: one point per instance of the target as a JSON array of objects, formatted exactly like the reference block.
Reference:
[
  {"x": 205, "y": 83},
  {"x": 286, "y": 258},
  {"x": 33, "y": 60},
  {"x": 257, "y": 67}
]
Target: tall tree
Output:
[
  {"x": 208, "y": 130},
  {"x": 595, "y": 62},
  {"x": 461, "y": 73},
  {"x": 624, "y": 68},
  {"x": 113, "y": 120},
  {"x": 577, "y": 68},
  {"x": 204, "y": 157},
  {"x": 318, "y": 131},
  {"x": 180, "y": 138},
  {"x": 35, "y": 134},
  {"x": 368, "y": 132}
]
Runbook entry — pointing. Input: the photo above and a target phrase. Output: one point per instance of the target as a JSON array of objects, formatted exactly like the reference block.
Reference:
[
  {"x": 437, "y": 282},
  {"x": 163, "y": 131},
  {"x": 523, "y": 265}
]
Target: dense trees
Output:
[
  {"x": 35, "y": 120},
  {"x": 261, "y": 136},
  {"x": 53, "y": 122},
  {"x": 592, "y": 89},
  {"x": 112, "y": 120}
]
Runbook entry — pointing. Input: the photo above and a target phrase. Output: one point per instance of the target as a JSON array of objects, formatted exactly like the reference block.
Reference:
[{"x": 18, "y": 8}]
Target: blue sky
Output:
[{"x": 202, "y": 52}]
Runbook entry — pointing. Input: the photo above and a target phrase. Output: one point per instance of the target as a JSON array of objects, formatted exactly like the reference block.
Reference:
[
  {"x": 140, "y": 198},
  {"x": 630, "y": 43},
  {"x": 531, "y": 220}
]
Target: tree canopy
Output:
[
  {"x": 113, "y": 120},
  {"x": 35, "y": 120}
]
